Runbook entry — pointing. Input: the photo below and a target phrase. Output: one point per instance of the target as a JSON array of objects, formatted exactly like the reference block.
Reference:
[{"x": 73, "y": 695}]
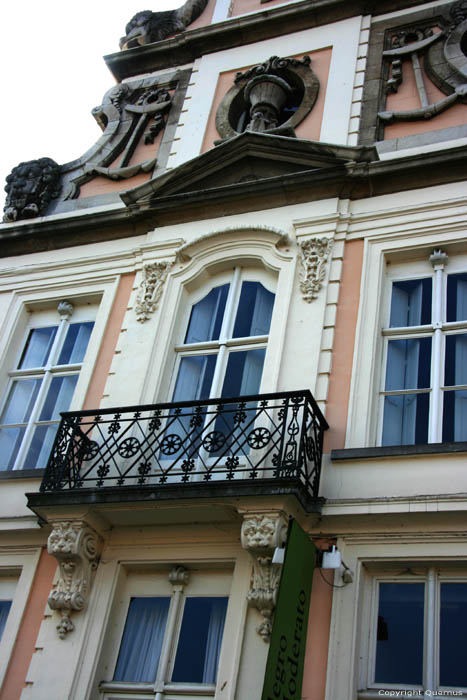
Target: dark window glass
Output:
[
  {"x": 76, "y": 343},
  {"x": 142, "y": 639},
  {"x": 38, "y": 346},
  {"x": 411, "y": 303},
  {"x": 254, "y": 311},
  {"x": 405, "y": 420},
  {"x": 399, "y": 645},
  {"x": 207, "y": 315},
  {"x": 455, "y": 371},
  {"x": 455, "y": 416},
  {"x": 453, "y": 623},
  {"x": 5, "y": 606},
  {"x": 408, "y": 364},
  {"x": 200, "y": 640},
  {"x": 457, "y": 297}
]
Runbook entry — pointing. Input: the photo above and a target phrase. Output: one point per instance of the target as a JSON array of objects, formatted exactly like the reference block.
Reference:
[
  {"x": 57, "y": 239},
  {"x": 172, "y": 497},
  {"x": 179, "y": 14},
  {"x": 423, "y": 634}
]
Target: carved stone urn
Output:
[{"x": 267, "y": 94}]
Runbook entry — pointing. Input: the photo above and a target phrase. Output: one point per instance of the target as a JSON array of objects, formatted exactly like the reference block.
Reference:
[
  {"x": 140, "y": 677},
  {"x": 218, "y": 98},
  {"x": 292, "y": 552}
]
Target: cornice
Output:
[{"x": 239, "y": 31}]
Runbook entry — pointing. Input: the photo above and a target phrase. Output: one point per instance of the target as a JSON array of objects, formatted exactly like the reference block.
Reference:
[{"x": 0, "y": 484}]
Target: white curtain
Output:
[
  {"x": 406, "y": 304},
  {"x": 460, "y": 397},
  {"x": 400, "y": 412},
  {"x": 142, "y": 640},
  {"x": 214, "y": 640}
]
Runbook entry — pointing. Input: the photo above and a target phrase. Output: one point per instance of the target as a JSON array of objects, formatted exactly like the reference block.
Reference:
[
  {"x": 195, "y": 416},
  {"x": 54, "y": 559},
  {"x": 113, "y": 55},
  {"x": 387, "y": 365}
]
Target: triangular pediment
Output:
[{"x": 250, "y": 159}]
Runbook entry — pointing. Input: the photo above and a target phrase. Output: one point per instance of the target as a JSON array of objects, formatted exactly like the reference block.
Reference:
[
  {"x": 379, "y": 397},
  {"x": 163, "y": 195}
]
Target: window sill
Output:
[
  {"x": 358, "y": 453},
  {"x": 148, "y": 688},
  {"x": 21, "y": 474}
]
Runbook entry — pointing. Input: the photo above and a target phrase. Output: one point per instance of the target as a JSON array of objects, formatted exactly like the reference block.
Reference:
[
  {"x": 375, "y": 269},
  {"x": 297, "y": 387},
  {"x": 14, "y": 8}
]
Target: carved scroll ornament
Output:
[
  {"x": 314, "y": 254},
  {"x": 150, "y": 289},
  {"x": 76, "y": 547},
  {"x": 261, "y": 534}
]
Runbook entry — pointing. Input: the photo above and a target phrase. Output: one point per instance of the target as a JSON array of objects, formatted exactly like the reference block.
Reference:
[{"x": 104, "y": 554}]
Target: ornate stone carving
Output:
[
  {"x": 76, "y": 546},
  {"x": 261, "y": 534},
  {"x": 179, "y": 576},
  {"x": 30, "y": 188},
  {"x": 314, "y": 254},
  {"x": 65, "y": 309},
  {"x": 258, "y": 98},
  {"x": 127, "y": 115},
  {"x": 438, "y": 50},
  {"x": 147, "y": 26},
  {"x": 150, "y": 290}
]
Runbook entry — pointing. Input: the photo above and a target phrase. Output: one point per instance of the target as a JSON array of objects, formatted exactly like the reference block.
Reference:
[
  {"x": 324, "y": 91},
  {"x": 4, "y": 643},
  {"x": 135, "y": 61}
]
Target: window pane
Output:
[
  {"x": 5, "y": 606},
  {"x": 408, "y": 364},
  {"x": 399, "y": 645},
  {"x": 141, "y": 645},
  {"x": 456, "y": 360},
  {"x": 206, "y": 316},
  {"x": 411, "y": 303},
  {"x": 58, "y": 397},
  {"x": 194, "y": 377},
  {"x": 20, "y": 401},
  {"x": 455, "y": 416},
  {"x": 41, "y": 446},
  {"x": 457, "y": 297},
  {"x": 76, "y": 343},
  {"x": 453, "y": 623},
  {"x": 38, "y": 347},
  {"x": 10, "y": 442},
  {"x": 405, "y": 420},
  {"x": 243, "y": 374},
  {"x": 200, "y": 640},
  {"x": 254, "y": 311}
]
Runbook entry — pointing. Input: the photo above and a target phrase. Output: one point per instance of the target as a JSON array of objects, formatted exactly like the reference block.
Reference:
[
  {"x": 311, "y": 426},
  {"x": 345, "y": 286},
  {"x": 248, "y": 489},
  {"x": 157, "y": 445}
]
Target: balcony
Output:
[{"x": 264, "y": 445}]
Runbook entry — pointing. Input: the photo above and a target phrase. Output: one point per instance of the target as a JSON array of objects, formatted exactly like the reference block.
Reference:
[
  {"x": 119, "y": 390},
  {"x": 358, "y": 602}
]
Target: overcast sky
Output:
[{"x": 53, "y": 74}]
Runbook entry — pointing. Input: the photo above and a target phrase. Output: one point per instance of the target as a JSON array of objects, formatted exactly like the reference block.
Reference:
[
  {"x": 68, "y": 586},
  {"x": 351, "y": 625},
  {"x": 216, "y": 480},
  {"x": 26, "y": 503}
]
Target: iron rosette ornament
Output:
[
  {"x": 272, "y": 97},
  {"x": 30, "y": 187}
]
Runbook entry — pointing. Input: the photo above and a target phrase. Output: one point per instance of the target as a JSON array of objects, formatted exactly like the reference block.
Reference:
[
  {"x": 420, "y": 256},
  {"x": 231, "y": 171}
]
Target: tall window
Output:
[
  {"x": 417, "y": 630},
  {"x": 425, "y": 384},
  {"x": 41, "y": 386},
  {"x": 172, "y": 642},
  {"x": 225, "y": 343}
]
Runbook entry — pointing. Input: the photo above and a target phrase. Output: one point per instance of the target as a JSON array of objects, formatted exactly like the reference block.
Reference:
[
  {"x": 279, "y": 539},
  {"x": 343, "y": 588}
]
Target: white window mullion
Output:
[
  {"x": 438, "y": 261},
  {"x": 169, "y": 643},
  {"x": 430, "y": 637}
]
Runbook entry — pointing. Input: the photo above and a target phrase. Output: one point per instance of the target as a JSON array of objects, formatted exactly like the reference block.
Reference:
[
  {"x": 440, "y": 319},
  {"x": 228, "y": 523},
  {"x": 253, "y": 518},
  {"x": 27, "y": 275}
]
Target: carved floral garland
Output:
[{"x": 314, "y": 254}]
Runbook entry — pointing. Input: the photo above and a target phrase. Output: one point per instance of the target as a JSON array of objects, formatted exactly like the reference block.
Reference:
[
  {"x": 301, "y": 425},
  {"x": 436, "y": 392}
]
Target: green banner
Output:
[{"x": 286, "y": 657}]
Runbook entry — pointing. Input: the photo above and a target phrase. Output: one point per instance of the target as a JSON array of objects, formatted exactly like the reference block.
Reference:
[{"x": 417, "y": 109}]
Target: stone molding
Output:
[
  {"x": 261, "y": 533},
  {"x": 150, "y": 289},
  {"x": 76, "y": 547},
  {"x": 314, "y": 254}
]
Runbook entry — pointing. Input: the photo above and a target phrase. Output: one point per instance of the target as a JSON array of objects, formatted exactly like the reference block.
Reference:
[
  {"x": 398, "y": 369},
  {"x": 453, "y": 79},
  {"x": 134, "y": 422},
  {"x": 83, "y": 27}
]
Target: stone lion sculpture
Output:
[
  {"x": 30, "y": 187},
  {"x": 147, "y": 26}
]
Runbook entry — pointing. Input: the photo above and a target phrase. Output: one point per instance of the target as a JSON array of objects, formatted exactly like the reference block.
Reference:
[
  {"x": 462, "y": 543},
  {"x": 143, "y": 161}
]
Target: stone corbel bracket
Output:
[
  {"x": 76, "y": 547},
  {"x": 150, "y": 290},
  {"x": 314, "y": 254},
  {"x": 261, "y": 533}
]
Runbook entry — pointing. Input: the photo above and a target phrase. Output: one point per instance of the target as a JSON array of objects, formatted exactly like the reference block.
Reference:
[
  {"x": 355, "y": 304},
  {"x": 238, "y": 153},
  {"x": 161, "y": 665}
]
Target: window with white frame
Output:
[
  {"x": 41, "y": 385},
  {"x": 172, "y": 634},
  {"x": 224, "y": 346},
  {"x": 416, "y": 624},
  {"x": 424, "y": 395}
]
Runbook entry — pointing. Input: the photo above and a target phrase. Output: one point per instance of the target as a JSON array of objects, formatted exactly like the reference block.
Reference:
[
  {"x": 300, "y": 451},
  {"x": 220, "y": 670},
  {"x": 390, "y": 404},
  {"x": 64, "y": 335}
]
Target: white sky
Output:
[{"x": 52, "y": 74}]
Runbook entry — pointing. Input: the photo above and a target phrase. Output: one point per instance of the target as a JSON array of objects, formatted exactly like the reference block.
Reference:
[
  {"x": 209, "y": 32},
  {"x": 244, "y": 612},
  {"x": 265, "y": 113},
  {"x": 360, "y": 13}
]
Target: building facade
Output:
[{"x": 246, "y": 303}]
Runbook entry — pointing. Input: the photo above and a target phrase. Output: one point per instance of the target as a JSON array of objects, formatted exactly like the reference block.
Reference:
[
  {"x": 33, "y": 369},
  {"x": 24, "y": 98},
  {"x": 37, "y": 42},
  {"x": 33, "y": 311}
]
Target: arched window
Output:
[{"x": 224, "y": 345}]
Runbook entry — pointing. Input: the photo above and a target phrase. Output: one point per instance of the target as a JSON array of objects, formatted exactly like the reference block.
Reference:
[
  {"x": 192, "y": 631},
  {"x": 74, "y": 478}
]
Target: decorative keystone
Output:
[
  {"x": 76, "y": 547},
  {"x": 314, "y": 254},
  {"x": 150, "y": 289},
  {"x": 260, "y": 535}
]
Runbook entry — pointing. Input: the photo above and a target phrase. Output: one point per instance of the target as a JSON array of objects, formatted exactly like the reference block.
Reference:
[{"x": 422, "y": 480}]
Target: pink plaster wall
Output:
[
  {"x": 344, "y": 340},
  {"x": 316, "y": 656},
  {"x": 32, "y": 618},
  {"x": 109, "y": 342},
  {"x": 309, "y": 128}
]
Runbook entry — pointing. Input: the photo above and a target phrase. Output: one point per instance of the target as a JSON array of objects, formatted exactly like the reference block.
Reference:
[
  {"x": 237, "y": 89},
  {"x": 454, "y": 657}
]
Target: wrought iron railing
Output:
[{"x": 269, "y": 436}]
